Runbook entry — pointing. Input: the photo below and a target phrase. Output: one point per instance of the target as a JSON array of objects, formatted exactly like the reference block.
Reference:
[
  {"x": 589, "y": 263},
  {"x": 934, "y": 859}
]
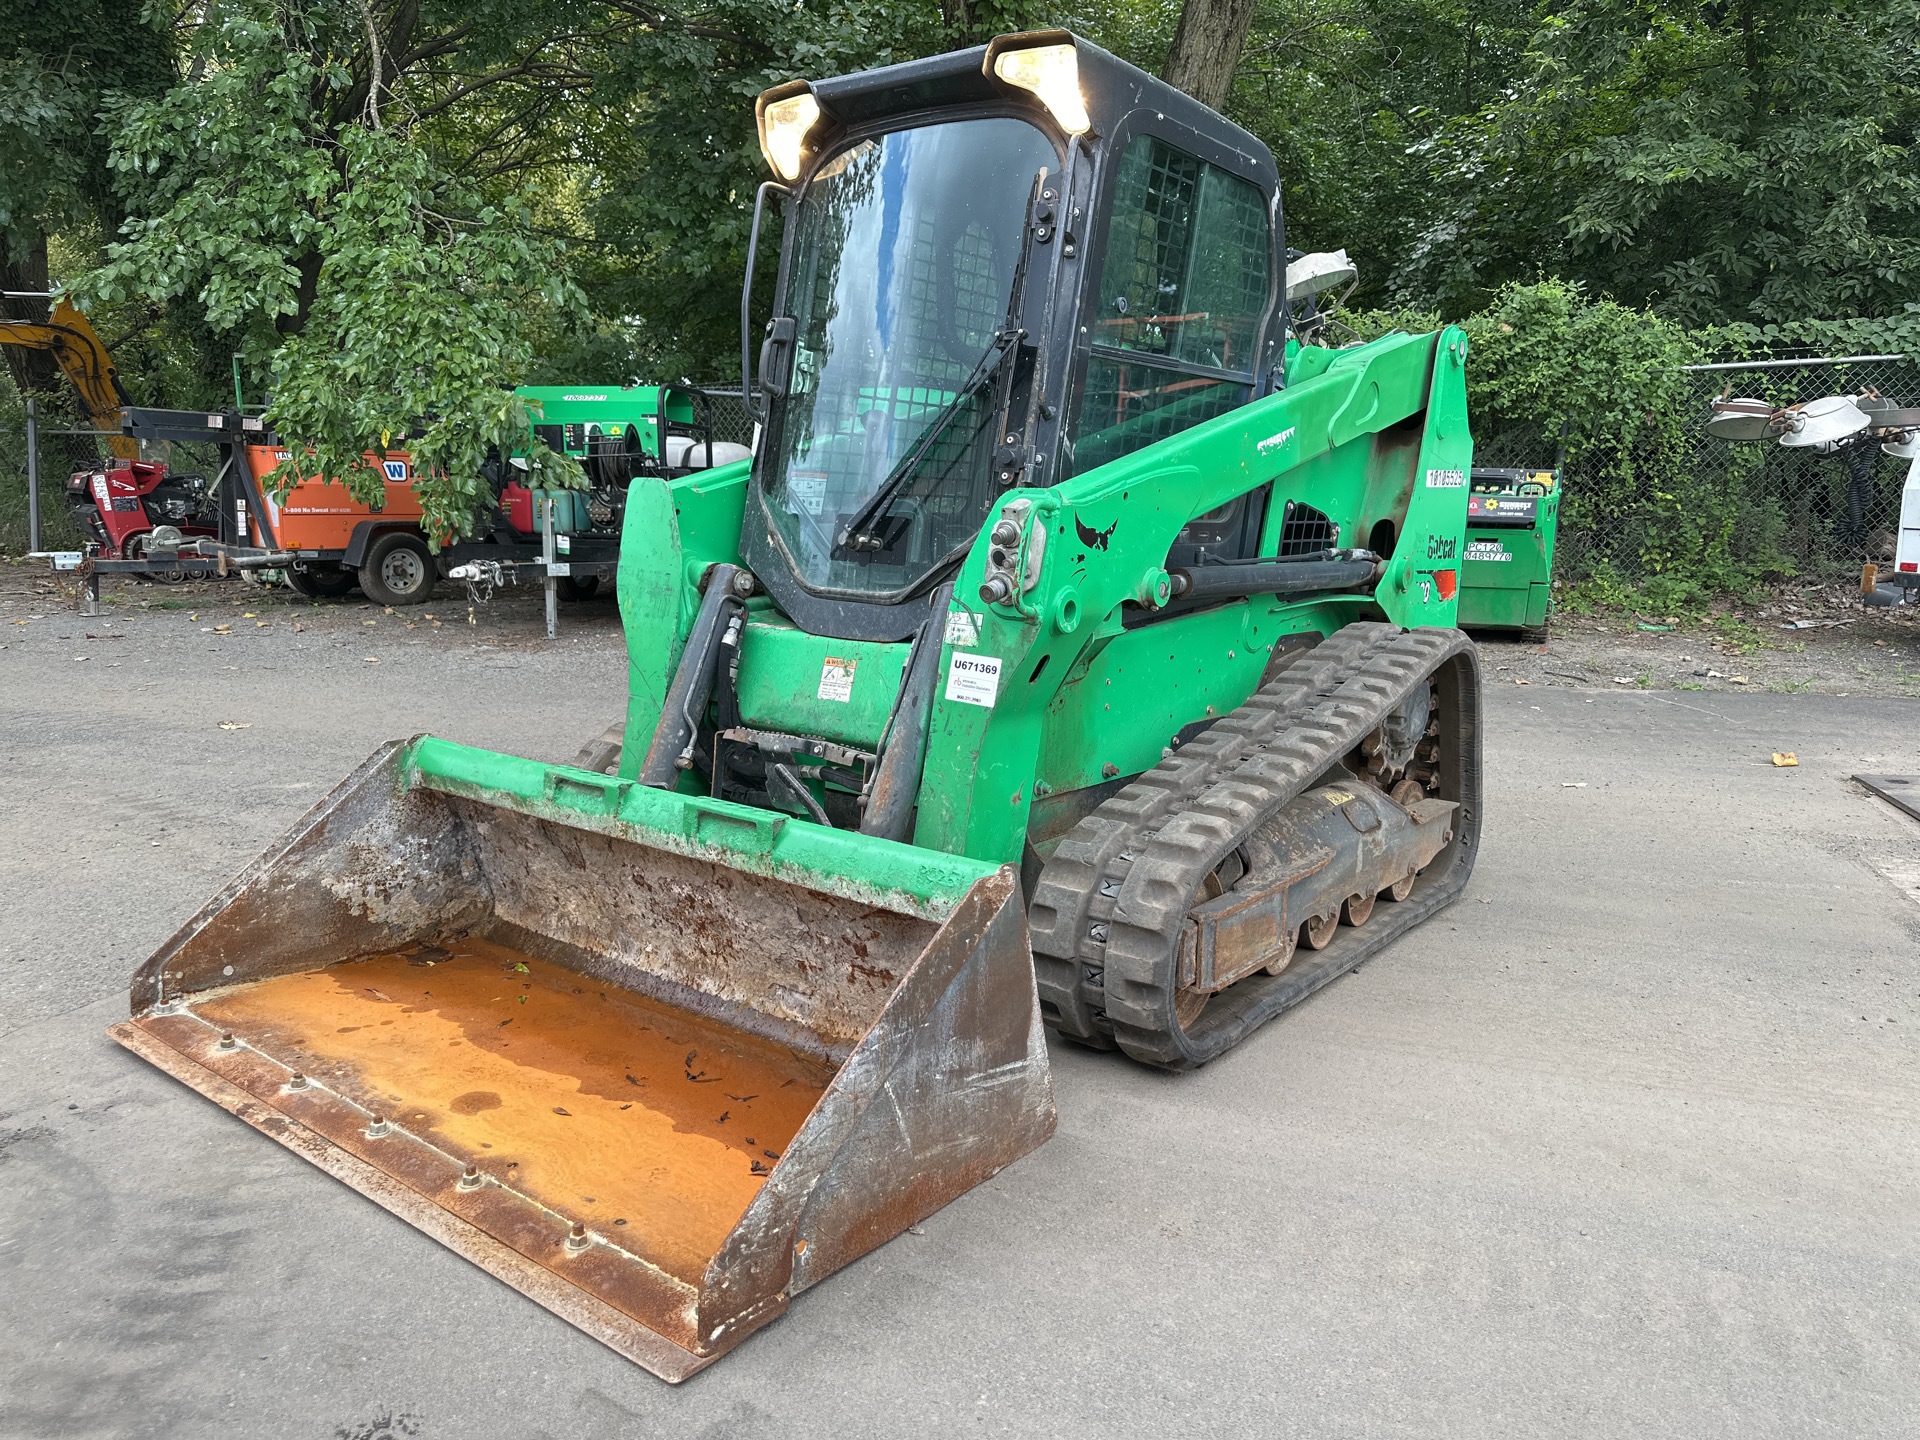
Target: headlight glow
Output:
[
  {"x": 1051, "y": 72},
  {"x": 783, "y": 132}
]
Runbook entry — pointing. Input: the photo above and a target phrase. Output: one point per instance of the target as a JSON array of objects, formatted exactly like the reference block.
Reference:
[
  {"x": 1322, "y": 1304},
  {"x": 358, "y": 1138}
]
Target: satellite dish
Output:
[
  {"x": 1741, "y": 420},
  {"x": 1320, "y": 271},
  {"x": 1823, "y": 422}
]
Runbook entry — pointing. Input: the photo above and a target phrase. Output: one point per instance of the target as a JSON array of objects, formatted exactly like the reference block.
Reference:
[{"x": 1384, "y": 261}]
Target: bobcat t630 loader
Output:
[{"x": 1075, "y": 651}]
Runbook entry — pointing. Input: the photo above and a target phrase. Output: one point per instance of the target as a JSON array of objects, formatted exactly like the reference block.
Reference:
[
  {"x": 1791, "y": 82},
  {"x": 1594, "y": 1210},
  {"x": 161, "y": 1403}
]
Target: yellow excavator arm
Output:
[{"x": 83, "y": 359}]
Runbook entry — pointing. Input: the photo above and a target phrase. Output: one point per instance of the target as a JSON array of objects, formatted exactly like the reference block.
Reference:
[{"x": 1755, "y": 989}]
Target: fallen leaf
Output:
[
  {"x": 247, "y": 616},
  {"x": 1785, "y": 759},
  {"x": 562, "y": 1110},
  {"x": 373, "y": 659},
  {"x": 369, "y": 622},
  {"x": 1573, "y": 784},
  {"x": 261, "y": 624},
  {"x": 1518, "y": 681},
  {"x": 1621, "y": 680},
  {"x": 236, "y": 724},
  {"x": 1738, "y": 680}
]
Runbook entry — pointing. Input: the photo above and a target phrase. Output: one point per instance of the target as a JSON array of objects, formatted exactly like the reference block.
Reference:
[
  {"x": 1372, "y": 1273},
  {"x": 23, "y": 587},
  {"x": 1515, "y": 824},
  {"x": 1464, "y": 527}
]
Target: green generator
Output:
[{"x": 1507, "y": 572}]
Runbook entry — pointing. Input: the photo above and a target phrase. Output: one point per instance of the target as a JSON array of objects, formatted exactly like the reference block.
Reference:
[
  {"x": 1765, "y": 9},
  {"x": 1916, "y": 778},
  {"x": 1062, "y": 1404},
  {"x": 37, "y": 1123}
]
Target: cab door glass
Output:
[{"x": 1183, "y": 289}]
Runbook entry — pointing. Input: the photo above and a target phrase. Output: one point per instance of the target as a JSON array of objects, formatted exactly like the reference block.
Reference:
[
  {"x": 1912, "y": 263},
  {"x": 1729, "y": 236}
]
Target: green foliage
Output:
[
  {"x": 1744, "y": 160},
  {"x": 1650, "y": 518},
  {"x": 59, "y": 64},
  {"x": 393, "y": 208},
  {"x": 677, "y": 161},
  {"x": 386, "y": 295}
]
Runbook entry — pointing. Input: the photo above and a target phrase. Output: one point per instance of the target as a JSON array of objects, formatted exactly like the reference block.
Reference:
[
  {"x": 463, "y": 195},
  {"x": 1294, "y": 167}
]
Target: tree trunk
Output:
[
  {"x": 1206, "y": 48},
  {"x": 33, "y": 371}
]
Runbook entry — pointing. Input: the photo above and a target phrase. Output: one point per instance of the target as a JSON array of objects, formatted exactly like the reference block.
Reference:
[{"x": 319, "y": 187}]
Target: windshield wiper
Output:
[{"x": 854, "y": 534}]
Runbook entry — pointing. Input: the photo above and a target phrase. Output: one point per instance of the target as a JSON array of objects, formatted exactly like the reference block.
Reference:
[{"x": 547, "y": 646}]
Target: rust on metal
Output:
[
  {"x": 593, "y": 1101},
  {"x": 1330, "y": 852},
  {"x": 656, "y": 1094}
]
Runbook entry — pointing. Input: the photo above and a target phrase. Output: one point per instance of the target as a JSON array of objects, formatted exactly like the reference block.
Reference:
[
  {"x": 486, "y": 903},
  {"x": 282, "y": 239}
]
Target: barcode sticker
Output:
[{"x": 973, "y": 679}]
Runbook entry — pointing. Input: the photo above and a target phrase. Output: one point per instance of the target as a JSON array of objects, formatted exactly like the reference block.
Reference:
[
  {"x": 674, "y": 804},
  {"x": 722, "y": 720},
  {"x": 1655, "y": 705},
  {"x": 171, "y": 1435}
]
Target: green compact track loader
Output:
[{"x": 1076, "y": 650}]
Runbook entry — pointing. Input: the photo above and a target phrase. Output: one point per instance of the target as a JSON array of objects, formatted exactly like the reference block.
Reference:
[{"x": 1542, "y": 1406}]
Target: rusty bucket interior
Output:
[{"x": 633, "y": 1072}]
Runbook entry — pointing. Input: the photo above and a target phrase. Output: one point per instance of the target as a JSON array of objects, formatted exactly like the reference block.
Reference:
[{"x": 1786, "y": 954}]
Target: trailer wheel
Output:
[
  {"x": 322, "y": 582},
  {"x": 578, "y": 587},
  {"x": 398, "y": 570}
]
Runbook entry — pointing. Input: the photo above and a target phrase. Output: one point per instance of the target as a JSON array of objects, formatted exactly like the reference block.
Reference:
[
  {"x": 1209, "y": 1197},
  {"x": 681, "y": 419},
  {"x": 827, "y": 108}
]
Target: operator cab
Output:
[{"x": 1001, "y": 267}]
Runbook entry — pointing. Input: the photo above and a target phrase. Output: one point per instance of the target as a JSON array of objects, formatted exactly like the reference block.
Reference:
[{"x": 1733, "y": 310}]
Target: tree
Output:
[
  {"x": 1206, "y": 48},
  {"x": 339, "y": 193},
  {"x": 60, "y": 65}
]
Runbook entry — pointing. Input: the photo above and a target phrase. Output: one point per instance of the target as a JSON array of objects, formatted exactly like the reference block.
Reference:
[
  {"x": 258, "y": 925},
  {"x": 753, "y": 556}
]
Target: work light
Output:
[
  {"x": 1051, "y": 72},
  {"x": 784, "y": 124}
]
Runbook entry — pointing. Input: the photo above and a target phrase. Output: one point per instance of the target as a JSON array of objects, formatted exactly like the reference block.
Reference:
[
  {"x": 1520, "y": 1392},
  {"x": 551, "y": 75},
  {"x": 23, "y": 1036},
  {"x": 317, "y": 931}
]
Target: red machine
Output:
[{"x": 120, "y": 505}]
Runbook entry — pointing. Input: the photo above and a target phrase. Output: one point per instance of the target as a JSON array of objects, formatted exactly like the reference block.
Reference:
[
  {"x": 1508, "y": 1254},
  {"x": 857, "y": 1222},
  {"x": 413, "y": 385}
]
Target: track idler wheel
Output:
[
  {"x": 1320, "y": 930},
  {"x": 1359, "y": 909}
]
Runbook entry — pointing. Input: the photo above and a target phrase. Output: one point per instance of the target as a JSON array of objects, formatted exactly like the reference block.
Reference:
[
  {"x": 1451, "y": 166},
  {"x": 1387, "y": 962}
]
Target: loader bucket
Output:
[{"x": 658, "y": 1062}]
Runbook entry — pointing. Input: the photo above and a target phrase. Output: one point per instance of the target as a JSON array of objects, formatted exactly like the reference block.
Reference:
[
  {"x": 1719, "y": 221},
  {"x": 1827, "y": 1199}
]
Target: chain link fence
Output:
[
  {"x": 1653, "y": 503},
  {"x": 731, "y": 418},
  {"x": 1672, "y": 499},
  {"x": 60, "y": 451}
]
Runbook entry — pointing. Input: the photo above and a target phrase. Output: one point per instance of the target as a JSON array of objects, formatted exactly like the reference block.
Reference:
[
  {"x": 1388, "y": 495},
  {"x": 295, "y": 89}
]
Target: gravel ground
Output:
[
  {"x": 1819, "y": 640},
  {"x": 1625, "y": 1143}
]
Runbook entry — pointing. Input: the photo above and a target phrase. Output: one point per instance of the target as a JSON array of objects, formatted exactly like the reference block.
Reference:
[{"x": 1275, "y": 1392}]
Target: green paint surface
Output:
[
  {"x": 610, "y": 407},
  {"x": 673, "y": 531},
  {"x": 884, "y": 873},
  {"x": 1375, "y": 437},
  {"x": 1510, "y": 594},
  {"x": 793, "y": 682}
]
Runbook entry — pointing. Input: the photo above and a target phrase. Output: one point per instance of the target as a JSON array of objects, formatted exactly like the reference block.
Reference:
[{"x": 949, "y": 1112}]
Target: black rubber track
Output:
[{"x": 1109, "y": 906}]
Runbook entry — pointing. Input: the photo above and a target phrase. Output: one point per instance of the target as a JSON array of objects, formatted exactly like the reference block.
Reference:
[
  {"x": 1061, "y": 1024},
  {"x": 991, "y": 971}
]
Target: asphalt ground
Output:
[{"x": 1627, "y": 1142}]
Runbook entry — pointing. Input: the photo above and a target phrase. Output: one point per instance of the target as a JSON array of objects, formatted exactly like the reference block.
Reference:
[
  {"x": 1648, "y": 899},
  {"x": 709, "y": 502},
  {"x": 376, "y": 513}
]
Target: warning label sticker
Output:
[
  {"x": 973, "y": 679},
  {"x": 836, "y": 678},
  {"x": 806, "y": 493},
  {"x": 962, "y": 629}
]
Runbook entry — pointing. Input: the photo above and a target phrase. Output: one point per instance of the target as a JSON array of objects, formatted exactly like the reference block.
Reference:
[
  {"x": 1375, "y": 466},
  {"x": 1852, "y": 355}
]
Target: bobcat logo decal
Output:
[{"x": 1094, "y": 539}]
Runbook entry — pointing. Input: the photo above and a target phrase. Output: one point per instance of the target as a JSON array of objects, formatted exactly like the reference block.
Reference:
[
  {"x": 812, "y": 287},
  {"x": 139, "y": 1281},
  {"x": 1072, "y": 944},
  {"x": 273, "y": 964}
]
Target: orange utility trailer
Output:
[{"x": 337, "y": 541}]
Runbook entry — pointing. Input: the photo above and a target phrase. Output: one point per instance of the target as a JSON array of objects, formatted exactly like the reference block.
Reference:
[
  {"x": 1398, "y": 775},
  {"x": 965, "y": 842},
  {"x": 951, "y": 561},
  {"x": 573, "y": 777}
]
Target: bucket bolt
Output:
[
  {"x": 378, "y": 1128},
  {"x": 298, "y": 1082},
  {"x": 577, "y": 1237},
  {"x": 227, "y": 1042},
  {"x": 470, "y": 1179}
]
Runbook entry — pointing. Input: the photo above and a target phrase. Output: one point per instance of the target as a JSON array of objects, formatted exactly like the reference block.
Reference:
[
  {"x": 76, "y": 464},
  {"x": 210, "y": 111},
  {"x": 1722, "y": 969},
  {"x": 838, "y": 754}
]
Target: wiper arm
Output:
[{"x": 854, "y": 533}]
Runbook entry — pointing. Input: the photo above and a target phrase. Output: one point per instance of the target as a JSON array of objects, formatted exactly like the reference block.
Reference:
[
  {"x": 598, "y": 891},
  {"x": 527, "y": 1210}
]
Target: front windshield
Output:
[{"x": 903, "y": 263}]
